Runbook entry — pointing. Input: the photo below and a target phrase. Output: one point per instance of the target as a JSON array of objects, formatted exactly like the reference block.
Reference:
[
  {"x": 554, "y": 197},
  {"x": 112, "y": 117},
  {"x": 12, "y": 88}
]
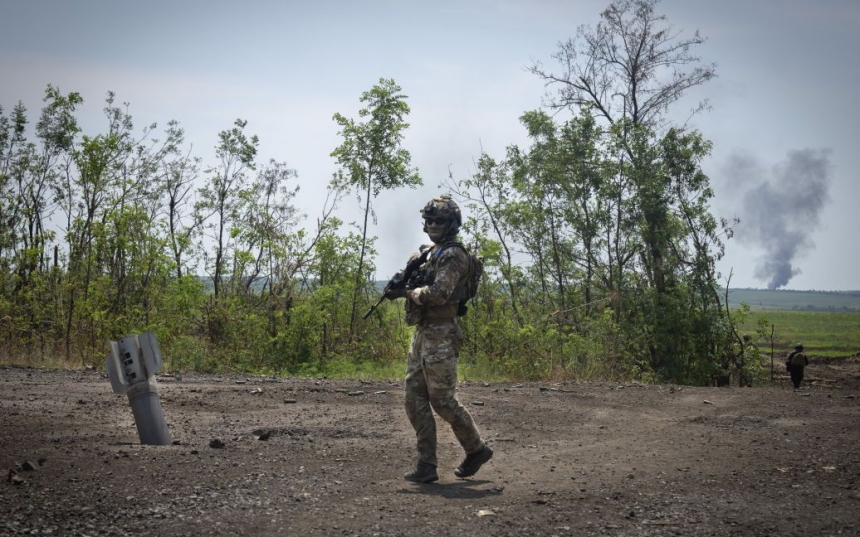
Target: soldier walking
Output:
[
  {"x": 431, "y": 372},
  {"x": 795, "y": 365}
]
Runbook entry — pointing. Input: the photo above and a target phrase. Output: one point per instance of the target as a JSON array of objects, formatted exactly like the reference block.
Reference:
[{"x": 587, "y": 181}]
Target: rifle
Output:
[{"x": 404, "y": 279}]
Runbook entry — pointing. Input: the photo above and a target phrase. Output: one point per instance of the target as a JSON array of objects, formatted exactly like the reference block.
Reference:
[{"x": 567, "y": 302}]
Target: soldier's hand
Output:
[
  {"x": 392, "y": 294},
  {"x": 415, "y": 295}
]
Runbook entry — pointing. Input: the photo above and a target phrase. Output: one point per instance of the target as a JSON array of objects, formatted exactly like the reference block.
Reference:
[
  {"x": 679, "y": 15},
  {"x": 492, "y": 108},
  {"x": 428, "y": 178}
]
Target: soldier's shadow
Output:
[{"x": 463, "y": 489}]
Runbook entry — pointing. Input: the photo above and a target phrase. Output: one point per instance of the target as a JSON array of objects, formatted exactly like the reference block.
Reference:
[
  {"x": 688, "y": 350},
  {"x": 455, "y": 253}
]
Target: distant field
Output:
[
  {"x": 766, "y": 299},
  {"x": 826, "y": 322},
  {"x": 821, "y": 333}
]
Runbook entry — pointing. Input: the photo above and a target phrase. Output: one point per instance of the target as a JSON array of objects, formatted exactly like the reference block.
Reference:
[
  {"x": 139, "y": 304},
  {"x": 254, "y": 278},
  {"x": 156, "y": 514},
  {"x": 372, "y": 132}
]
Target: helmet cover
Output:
[{"x": 445, "y": 209}]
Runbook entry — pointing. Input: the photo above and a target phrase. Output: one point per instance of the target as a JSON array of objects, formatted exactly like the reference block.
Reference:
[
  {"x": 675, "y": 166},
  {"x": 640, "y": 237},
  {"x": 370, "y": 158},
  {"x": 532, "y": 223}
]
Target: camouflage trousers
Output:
[{"x": 431, "y": 380}]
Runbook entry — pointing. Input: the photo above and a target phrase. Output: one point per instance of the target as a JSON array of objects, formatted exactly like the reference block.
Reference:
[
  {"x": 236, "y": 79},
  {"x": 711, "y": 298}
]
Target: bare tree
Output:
[
  {"x": 633, "y": 65},
  {"x": 179, "y": 176}
]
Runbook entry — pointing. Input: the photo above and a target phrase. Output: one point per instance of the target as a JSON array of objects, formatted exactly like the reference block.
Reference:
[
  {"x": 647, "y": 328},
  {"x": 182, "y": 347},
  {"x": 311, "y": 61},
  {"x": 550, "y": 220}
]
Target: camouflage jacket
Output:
[{"x": 445, "y": 272}]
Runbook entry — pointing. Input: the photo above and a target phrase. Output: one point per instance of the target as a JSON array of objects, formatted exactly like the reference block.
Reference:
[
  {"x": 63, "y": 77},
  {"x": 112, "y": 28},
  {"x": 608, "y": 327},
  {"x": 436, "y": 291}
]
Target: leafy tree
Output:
[
  {"x": 562, "y": 211},
  {"x": 265, "y": 218},
  {"x": 86, "y": 196},
  {"x": 629, "y": 71},
  {"x": 179, "y": 171},
  {"x": 266, "y": 242},
  {"x": 219, "y": 202},
  {"x": 30, "y": 171},
  {"x": 371, "y": 158},
  {"x": 290, "y": 264},
  {"x": 487, "y": 193}
]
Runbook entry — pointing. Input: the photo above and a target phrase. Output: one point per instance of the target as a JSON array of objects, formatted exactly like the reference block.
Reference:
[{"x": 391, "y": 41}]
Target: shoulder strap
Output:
[{"x": 438, "y": 253}]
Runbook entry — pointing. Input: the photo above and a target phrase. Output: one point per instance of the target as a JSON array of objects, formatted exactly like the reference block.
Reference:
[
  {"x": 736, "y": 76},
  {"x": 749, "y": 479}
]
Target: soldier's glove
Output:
[
  {"x": 392, "y": 294},
  {"x": 415, "y": 295}
]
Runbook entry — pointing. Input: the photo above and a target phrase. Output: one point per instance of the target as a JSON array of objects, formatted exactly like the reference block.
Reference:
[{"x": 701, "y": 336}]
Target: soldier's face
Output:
[{"x": 435, "y": 228}]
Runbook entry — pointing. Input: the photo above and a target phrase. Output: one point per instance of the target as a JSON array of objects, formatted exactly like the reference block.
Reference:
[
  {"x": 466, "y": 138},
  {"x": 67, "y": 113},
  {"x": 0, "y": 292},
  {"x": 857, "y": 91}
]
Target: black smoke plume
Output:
[{"x": 781, "y": 209}]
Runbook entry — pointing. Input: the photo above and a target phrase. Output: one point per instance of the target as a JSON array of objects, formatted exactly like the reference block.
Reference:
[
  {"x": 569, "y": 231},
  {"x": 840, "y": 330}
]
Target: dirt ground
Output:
[{"x": 571, "y": 459}]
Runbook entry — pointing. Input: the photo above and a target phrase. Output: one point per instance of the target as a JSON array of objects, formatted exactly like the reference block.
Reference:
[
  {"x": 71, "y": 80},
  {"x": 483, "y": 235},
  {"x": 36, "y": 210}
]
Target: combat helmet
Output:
[
  {"x": 798, "y": 347},
  {"x": 445, "y": 208}
]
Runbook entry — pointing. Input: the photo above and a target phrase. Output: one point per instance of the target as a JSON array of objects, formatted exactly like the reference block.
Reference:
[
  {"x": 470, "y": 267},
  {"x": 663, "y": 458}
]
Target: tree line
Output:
[{"x": 598, "y": 240}]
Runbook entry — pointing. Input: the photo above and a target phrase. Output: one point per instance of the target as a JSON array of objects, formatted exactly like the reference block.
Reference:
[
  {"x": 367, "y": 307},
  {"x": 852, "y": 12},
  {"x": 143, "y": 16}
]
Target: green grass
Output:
[
  {"x": 821, "y": 333},
  {"x": 767, "y": 299}
]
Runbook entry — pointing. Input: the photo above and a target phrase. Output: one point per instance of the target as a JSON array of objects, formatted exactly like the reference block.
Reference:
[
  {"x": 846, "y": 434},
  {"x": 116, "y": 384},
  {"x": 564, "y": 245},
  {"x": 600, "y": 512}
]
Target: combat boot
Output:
[
  {"x": 473, "y": 462},
  {"x": 423, "y": 473}
]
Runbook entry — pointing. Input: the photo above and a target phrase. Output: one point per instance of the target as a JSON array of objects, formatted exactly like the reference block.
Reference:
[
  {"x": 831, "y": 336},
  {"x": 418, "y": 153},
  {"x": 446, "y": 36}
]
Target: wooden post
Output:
[{"x": 771, "y": 355}]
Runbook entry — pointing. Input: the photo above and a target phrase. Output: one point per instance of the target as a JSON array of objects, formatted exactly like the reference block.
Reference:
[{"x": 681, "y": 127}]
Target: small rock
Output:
[
  {"x": 290, "y": 401},
  {"x": 255, "y": 391},
  {"x": 380, "y": 392},
  {"x": 14, "y": 478},
  {"x": 28, "y": 466},
  {"x": 706, "y": 402},
  {"x": 216, "y": 443},
  {"x": 358, "y": 392},
  {"x": 485, "y": 384},
  {"x": 486, "y": 512},
  {"x": 262, "y": 434},
  {"x": 478, "y": 403}
]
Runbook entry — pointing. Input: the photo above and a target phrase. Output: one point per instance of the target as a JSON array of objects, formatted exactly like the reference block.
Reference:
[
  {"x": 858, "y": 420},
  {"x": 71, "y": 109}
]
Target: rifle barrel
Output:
[{"x": 373, "y": 307}]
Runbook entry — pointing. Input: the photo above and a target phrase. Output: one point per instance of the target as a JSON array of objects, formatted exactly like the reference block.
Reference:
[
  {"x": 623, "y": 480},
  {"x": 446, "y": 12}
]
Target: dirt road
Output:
[{"x": 571, "y": 459}]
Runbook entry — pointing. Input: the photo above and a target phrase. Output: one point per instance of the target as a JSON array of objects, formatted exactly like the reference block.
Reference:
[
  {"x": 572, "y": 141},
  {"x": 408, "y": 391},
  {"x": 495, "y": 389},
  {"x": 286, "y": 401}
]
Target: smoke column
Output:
[{"x": 781, "y": 209}]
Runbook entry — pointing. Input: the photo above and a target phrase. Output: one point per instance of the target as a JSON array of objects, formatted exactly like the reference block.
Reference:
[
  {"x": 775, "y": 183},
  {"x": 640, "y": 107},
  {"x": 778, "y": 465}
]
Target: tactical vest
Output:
[{"x": 415, "y": 313}]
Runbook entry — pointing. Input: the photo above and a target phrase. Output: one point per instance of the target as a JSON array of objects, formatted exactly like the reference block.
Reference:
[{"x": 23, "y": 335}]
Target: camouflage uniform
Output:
[{"x": 431, "y": 370}]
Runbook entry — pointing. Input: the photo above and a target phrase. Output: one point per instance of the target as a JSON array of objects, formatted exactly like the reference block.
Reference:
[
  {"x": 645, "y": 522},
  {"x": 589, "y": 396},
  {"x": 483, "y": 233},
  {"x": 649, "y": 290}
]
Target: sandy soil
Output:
[{"x": 571, "y": 459}]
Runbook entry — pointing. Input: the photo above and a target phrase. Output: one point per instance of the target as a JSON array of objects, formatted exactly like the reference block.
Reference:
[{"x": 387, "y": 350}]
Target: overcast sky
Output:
[{"x": 783, "y": 123}]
